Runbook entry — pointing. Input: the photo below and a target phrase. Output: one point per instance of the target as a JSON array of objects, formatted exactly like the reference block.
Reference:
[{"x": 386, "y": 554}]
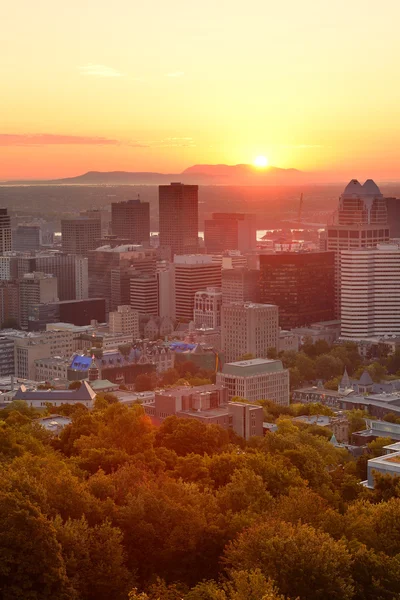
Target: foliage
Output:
[{"x": 75, "y": 385}]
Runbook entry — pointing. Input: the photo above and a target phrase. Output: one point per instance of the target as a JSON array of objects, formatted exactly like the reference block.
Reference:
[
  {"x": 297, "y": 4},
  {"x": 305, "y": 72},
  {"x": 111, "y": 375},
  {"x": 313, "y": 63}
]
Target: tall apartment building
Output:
[
  {"x": 361, "y": 223},
  {"x": 248, "y": 328},
  {"x": 301, "y": 284},
  {"x": 257, "y": 379},
  {"x": 124, "y": 320},
  {"x": 26, "y": 238},
  {"x": 207, "y": 308},
  {"x": 35, "y": 288},
  {"x": 7, "y": 360},
  {"x": 144, "y": 293},
  {"x": 5, "y": 231},
  {"x": 9, "y": 302},
  {"x": 370, "y": 292},
  {"x": 230, "y": 231},
  {"x": 7, "y": 268},
  {"x": 179, "y": 220},
  {"x": 131, "y": 220},
  {"x": 240, "y": 285},
  {"x": 80, "y": 235},
  {"x": 193, "y": 272}
]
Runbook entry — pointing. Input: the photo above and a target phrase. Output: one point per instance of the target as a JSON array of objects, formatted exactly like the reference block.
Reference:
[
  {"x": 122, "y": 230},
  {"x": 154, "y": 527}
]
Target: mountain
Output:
[{"x": 200, "y": 174}]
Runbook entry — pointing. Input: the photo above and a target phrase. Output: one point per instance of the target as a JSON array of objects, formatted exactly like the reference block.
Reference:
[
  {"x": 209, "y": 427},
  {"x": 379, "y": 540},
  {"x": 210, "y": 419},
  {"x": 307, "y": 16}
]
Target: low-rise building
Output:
[
  {"x": 257, "y": 379},
  {"x": 51, "y": 368},
  {"x": 43, "y": 398}
]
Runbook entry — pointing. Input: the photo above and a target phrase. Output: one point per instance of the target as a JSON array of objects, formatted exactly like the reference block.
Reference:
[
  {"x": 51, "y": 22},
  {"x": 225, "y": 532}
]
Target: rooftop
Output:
[{"x": 255, "y": 366}]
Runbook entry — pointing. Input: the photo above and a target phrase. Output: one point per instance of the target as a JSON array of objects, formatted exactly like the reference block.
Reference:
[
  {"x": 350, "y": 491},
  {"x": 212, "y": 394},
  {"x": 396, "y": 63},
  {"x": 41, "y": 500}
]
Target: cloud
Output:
[
  {"x": 49, "y": 139},
  {"x": 99, "y": 71},
  {"x": 175, "y": 74}
]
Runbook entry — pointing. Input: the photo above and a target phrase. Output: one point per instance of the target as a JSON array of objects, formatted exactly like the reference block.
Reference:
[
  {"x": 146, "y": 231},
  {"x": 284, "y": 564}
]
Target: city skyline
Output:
[{"x": 161, "y": 88}]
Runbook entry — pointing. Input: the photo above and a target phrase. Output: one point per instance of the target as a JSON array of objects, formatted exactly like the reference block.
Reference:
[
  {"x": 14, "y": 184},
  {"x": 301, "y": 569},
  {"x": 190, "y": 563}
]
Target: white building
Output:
[
  {"x": 207, "y": 308},
  {"x": 124, "y": 320},
  {"x": 6, "y": 267},
  {"x": 248, "y": 328},
  {"x": 370, "y": 291},
  {"x": 257, "y": 379},
  {"x": 193, "y": 272},
  {"x": 42, "y": 398},
  {"x": 51, "y": 368},
  {"x": 30, "y": 347}
]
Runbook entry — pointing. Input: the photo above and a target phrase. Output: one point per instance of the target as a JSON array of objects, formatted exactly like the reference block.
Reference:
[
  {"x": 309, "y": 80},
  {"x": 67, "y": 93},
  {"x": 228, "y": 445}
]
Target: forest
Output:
[{"x": 114, "y": 508}]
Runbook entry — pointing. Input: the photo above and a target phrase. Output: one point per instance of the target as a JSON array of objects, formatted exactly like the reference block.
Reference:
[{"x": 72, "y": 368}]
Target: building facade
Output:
[
  {"x": 124, "y": 320},
  {"x": 179, "y": 220},
  {"x": 35, "y": 288},
  {"x": 5, "y": 231},
  {"x": 230, "y": 231},
  {"x": 248, "y": 329},
  {"x": 80, "y": 235},
  {"x": 131, "y": 220},
  {"x": 207, "y": 308},
  {"x": 240, "y": 285},
  {"x": 193, "y": 273},
  {"x": 26, "y": 238}
]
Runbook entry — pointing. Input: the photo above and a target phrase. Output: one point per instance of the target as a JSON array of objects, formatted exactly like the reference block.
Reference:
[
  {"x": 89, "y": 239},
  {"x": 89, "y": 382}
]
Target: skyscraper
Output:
[
  {"x": 26, "y": 238},
  {"x": 248, "y": 329},
  {"x": 5, "y": 231},
  {"x": 80, "y": 235},
  {"x": 131, "y": 220},
  {"x": 193, "y": 272},
  {"x": 179, "y": 220},
  {"x": 71, "y": 272},
  {"x": 230, "y": 231},
  {"x": 361, "y": 223},
  {"x": 370, "y": 291},
  {"x": 35, "y": 288},
  {"x": 240, "y": 285}
]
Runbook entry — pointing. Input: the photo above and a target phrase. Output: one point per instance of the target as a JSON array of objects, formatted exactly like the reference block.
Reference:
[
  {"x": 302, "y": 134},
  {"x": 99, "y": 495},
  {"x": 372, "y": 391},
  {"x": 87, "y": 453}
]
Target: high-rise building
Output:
[
  {"x": 35, "y": 288},
  {"x": 76, "y": 312},
  {"x": 26, "y": 238},
  {"x": 230, "y": 231},
  {"x": 125, "y": 320},
  {"x": 301, "y": 284},
  {"x": 71, "y": 272},
  {"x": 370, "y": 292},
  {"x": 207, "y": 308},
  {"x": 5, "y": 231},
  {"x": 131, "y": 220},
  {"x": 144, "y": 293},
  {"x": 256, "y": 379},
  {"x": 193, "y": 273},
  {"x": 104, "y": 216},
  {"x": 179, "y": 220},
  {"x": 166, "y": 290},
  {"x": 248, "y": 328},
  {"x": 80, "y": 235},
  {"x": 393, "y": 216},
  {"x": 361, "y": 223},
  {"x": 240, "y": 285},
  {"x": 81, "y": 278},
  {"x": 9, "y": 303}
]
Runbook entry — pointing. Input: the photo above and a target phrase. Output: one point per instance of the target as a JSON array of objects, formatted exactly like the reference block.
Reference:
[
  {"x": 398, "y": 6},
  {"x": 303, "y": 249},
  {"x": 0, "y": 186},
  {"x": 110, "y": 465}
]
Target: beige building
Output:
[
  {"x": 207, "y": 308},
  {"x": 193, "y": 272},
  {"x": 31, "y": 347},
  {"x": 36, "y": 288},
  {"x": 257, "y": 379},
  {"x": 124, "y": 320},
  {"x": 51, "y": 368},
  {"x": 248, "y": 328}
]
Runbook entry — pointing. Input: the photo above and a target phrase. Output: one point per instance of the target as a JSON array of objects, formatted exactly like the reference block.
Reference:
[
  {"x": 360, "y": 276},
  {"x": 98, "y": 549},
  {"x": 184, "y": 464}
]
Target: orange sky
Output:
[{"x": 160, "y": 86}]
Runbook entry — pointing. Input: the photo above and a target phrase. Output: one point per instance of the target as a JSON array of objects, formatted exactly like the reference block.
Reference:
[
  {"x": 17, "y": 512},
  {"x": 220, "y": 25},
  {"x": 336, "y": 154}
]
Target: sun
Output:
[{"x": 261, "y": 162}]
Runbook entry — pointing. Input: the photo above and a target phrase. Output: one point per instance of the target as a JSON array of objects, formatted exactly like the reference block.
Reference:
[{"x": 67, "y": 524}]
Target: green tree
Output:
[
  {"x": 143, "y": 383},
  {"x": 272, "y": 353},
  {"x": 327, "y": 366},
  {"x": 75, "y": 385},
  {"x": 305, "y": 366}
]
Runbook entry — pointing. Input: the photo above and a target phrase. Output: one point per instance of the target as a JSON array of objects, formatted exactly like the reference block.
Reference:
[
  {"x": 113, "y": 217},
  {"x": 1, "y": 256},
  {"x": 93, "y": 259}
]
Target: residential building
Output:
[
  {"x": 80, "y": 235},
  {"x": 7, "y": 271},
  {"x": 301, "y": 284},
  {"x": 144, "y": 293},
  {"x": 361, "y": 223},
  {"x": 124, "y": 320},
  {"x": 178, "y": 215},
  {"x": 131, "y": 220},
  {"x": 26, "y": 238},
  {"x": 370, "y": 291},
  {"x": 240, "y": 285},
  {"x": 193, "y": 273},
  {"x": 208, "y": 404},
  {"x": 41, "y": 399},
  {"x": 5, "y": 231},
  {"x": 248, "y": 328},
  {"x": 207, "y": 308},
  {"x": 35, "y": 288},
  {"x": 256, "y": 379},
  {"x": 230, "y": 231}
]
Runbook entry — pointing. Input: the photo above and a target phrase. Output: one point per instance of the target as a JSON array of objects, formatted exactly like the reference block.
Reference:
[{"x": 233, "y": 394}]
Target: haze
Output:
[{"x": 160, "y": 86}]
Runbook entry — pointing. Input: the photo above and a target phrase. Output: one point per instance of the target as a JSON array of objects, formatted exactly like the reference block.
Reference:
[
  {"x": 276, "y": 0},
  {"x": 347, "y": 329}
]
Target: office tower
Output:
[
  {"x": 80, "y": 235},
  {"x": 393, "y": 216},
  {"x": 240, "y": 285},
  {"x": 178, "y": 214},
  {"x": 131, "y": 220},
  {"x": 26, "y": 238},
  {"x": 110, "y": 270},
  {"x": 104, "y": 216},
  {"x": 301, "y": 284},
  {"x": 193, "y": 273},
  {"x": 144, "y": 293},
  {"x": 230, "y": 231},
  {"x": 5, "y": 231},
  {"x": 207, "y": 308},
  {"x": 7, "y": 366},
  {"x": 81, "y": 278},
  {"x": 7, "y": 268},
  {"x": 370, "y": 291},
  {"x": 76, "y": 312},
  {"x": 166, "y": 290},
  {"x": 248, "y": 329},
  {"x": 361, "y": 223},
  {"x": 256, "y": 379},
  {"x": 9, "y": 303},
  {"x": 71, "y": 272},
  {"x": 124, "y": 320},
  {"x": 35, "y": 288}
]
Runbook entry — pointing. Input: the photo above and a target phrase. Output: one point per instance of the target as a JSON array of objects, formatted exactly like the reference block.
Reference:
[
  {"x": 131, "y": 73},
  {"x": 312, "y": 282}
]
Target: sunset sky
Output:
[{"x": 161, "y": 85}]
